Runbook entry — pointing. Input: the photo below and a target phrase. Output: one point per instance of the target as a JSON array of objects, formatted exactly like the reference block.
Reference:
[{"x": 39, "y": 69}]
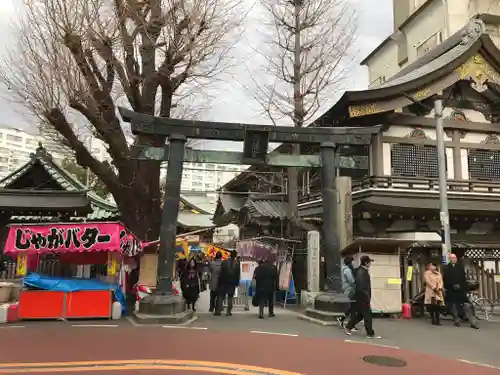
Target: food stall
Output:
[{"x": 96, "y": 259}]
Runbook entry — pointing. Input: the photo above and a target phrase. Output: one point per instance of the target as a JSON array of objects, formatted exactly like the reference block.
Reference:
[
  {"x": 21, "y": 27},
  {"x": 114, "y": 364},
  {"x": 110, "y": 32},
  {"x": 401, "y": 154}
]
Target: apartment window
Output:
[
  {"x": 14, "y": 138},
  {"x": 408, "y": 160},
  {"x": 430, "y": 44},
  {"x": 492, "y": 29}
]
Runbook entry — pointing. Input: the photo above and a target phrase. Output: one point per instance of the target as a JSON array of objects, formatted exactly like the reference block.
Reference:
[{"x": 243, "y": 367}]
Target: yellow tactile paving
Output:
[{"x": 142, "y": 364}]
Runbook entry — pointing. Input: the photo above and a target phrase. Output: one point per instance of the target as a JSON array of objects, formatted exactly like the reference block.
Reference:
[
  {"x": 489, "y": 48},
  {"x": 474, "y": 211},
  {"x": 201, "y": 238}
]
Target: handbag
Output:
[{"x": 255, "y": 301}]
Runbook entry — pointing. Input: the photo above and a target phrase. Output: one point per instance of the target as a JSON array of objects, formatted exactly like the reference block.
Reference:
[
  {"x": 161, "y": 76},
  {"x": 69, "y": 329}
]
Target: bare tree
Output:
[
  {"x": 77, "y": 60},
  {"x": 307, "y": 51}
]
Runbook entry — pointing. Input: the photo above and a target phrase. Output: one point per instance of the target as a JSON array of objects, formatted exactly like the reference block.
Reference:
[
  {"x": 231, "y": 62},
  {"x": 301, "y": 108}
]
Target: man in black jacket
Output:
[
  {"x": 455, "y": 285},
  {"x": 266, "y": 284},
  {"x": 362, "y": 297},
  {"x": 229, "y": 279}
]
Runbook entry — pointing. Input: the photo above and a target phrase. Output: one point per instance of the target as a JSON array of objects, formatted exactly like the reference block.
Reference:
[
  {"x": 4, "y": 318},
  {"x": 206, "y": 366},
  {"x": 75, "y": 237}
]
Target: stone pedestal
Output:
[
  {"x": 328, "y": 306},
  {"x": 163, "y": 309}
]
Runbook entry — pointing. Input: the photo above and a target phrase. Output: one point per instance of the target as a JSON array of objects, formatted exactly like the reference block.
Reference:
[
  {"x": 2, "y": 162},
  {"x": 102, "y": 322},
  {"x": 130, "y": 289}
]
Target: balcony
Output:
[{"x": 401, "y": 194}]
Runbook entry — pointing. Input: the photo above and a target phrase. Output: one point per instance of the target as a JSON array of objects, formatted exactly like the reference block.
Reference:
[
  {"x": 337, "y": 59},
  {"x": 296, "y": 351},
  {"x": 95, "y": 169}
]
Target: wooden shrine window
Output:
[
  {"x": 414, "y": 161},
  {"x": 484, "y": 164}
]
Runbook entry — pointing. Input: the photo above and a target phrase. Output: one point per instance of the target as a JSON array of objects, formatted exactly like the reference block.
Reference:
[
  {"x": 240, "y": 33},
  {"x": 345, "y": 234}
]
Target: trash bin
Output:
[{"x": 5, "y": 290}]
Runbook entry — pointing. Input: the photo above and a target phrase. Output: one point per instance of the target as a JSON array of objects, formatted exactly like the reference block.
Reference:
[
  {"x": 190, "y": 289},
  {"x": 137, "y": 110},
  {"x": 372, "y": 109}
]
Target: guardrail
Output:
[{"x": 415, "y": 183}]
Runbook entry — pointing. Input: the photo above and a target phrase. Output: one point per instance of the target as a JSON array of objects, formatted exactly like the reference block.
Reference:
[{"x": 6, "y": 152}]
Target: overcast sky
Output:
[{"x": 232, "y": 103}]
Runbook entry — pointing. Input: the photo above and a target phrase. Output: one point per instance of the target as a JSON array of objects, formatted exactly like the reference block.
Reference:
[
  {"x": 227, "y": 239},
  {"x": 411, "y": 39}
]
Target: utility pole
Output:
[{"x": 444, "y": 214}]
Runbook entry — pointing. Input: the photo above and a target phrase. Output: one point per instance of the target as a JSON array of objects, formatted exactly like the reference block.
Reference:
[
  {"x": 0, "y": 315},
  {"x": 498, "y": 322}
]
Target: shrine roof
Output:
[
  {"x": 193, "y": 220},
  {"x": 440, "y": 68},
  {"x": 199, "y": 202},
  {"x": 275, "y": 208},
  {"x": 67, "y": 183}
]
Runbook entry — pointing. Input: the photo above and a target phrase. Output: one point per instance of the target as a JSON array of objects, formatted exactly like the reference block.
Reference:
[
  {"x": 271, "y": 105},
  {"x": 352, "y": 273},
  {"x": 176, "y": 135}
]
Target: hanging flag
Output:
[
  {"x": 22, "y": 265},
  {"x": 112, "y": 265}
]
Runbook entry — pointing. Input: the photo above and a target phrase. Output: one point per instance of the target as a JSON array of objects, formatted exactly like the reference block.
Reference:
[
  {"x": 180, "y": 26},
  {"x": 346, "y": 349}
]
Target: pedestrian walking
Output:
[
  {"x": 266, "y": 284},
  {"x": 229, "y": 279},
  {"x": 213, "y": 283},
  {"x": 190, "y": 283},
  {"x": 362, "y": 296},
  {"x": 348, "y": 287},
  {"x": 456, "y": 288},
  {"x": 434, "y": 298}
]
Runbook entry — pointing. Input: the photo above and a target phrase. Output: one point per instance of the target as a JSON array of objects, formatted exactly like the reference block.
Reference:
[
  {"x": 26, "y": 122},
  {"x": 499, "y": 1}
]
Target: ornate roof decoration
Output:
[
  {"x": 417, "y": 133},
  {"x": 491, "y": 139},
  {"x": 457, "y": 115}
]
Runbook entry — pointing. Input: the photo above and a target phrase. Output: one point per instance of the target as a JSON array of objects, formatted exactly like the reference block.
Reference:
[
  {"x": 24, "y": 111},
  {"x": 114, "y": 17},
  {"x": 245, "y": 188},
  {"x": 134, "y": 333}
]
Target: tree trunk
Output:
[
  {"x": 140, "y": 203},
  {"x": 298, "y": 119}
]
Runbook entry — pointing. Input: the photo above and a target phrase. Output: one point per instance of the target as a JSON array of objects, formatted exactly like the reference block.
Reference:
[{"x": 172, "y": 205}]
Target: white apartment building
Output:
[
  {"x": 207, "y": 177},
  {"x": 420, "y": 25},
  {"x": 17, "y": 145}
]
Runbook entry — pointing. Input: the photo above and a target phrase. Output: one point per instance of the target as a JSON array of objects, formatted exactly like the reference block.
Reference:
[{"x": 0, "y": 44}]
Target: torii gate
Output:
[{"x": 162, "y": 306}]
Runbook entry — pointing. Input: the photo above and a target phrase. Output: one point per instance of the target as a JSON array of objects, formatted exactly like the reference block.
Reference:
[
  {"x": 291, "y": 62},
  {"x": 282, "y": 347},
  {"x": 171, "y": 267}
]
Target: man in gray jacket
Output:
[
  {"x": 348, "y": 286},
  {"x": 213, "y": 283}
]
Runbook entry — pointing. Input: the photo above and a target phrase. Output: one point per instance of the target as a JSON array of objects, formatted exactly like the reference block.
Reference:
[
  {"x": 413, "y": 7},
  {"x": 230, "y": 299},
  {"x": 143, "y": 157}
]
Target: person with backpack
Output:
[
  {"x": 349, "y": 287},
  {"x": 229, "y": 279},
  {"x": 362, "y": 296}
]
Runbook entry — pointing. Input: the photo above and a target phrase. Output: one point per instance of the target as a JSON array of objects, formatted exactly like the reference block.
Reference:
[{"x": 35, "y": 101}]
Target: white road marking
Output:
[
  {"x": 275, "y": 333},
  {"x": 479, "y": 364},
  {"x": 95, "y": 325},
  {"x": 186, "y": 327},
  {"x": 7, "y": 327},
  {"x": 371, "y": 343}
]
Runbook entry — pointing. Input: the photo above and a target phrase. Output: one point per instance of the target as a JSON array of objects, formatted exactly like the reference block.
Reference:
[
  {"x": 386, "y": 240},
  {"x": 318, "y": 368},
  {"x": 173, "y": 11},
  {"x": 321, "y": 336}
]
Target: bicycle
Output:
[{"x": 482, "y": 306}]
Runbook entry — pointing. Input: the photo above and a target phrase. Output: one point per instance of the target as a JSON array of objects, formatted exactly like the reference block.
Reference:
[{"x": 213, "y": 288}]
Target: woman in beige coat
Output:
[{"x": 434, "y": 298}]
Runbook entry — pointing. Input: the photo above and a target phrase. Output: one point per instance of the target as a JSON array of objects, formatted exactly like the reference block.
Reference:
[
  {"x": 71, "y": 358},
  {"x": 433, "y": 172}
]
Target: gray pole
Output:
[
  {"x": 171, "y": 203},
  {"x": 443, "y": 185}
]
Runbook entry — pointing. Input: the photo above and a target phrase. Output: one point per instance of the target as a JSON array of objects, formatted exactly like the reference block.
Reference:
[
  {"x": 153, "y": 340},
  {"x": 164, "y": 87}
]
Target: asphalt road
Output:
[{"x": 283, "y": 345}]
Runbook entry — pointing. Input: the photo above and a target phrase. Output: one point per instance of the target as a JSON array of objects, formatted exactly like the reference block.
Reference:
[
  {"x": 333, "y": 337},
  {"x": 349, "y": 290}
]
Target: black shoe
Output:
[
  {"x": 261, "y": 316},
  {"x": 272, "y": 315},
  {"x": 210, "y": 310},
  {"x": 474, "y": 326},
  {"x": 457, "y": 324},
  {"x": 217, "y": 314},
  {"x": 229, "y": 314}
]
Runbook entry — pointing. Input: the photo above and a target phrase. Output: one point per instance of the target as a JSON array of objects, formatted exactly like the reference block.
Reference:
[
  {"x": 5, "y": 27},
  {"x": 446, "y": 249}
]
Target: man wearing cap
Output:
[{"x": 362, "y": 296}]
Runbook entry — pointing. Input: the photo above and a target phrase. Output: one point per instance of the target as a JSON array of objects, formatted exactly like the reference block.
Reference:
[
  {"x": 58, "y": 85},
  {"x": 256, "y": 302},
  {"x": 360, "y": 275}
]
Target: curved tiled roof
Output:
[
  {"x": 101, "y": 209},
  {"x": 436, "y": 64}
]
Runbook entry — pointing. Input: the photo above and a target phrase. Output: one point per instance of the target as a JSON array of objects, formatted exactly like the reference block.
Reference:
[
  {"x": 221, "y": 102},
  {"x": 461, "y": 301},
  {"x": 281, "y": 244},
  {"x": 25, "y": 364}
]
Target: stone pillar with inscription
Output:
[
  {"x": 344, "y": 211},
  {"x": 313, "y": 255}
]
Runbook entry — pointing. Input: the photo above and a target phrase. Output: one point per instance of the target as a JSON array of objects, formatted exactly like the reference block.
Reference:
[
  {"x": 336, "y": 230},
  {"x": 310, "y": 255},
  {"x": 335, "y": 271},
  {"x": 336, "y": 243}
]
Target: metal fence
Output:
[{"x": 242, "y": 297}]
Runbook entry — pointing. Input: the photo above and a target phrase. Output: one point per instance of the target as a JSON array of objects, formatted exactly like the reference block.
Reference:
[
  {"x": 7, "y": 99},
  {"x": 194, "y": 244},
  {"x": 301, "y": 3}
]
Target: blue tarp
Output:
[{"x": 59, "y": 284}]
